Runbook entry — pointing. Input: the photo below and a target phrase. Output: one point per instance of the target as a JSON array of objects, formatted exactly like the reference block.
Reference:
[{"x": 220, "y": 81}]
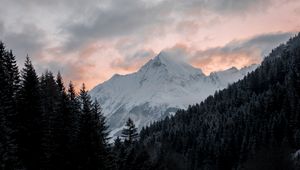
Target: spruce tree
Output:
[
  {"x": 92, "y": 135},
  {"x": 52, "y": 123},
  {"x": 129, "y": 133},
  {"x": 29, "y": 118},
  {"x": 69, "y": 121},
  {"x": 9, "y": 84},
  {"x": 100, "y": 122},
  {"x": 74, "y": 109}
]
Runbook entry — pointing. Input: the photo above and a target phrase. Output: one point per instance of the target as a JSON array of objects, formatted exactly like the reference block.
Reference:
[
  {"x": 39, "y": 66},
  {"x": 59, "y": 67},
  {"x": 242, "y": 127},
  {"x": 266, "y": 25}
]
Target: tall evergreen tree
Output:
[
  {"x": 52, "y": 123},
  {"x": 74, "y": 109},
  {"x": 92, "y": 135},
  {"x": 9, "y": 84},
  {"x": 75, "y": 113},
  {"x": 100, "y": 122},
  {"x": 129, "y": 133},
  {"x": 29, "y": 118},
  {"x": 69, "y": 120}
]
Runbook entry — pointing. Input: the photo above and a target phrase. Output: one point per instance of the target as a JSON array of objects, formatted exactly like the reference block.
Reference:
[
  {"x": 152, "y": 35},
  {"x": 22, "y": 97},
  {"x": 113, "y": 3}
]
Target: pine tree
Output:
[
  {"x": 69, "y": 112},
  {"x": 92, "y": 135},
  {"x": 101, "y": 129},
  {"x": 29, "y": 118},
  {"x": 75, "y": 113},
  {"x": 100, "y": 122},
  {"x": 52, "y": 122},
  {"x": 74, "y": 109},
  {"x": 129, "y": 133},
  {"x": 9, "y": 84},
  {"x": 60, "y": 84}
]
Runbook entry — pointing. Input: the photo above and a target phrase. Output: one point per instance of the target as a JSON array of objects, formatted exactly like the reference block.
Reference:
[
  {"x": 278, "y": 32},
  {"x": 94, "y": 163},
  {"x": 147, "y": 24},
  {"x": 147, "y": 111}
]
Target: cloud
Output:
[
  {"x": 125, "y": 17},
  {"x": 132, "y": 62},
  {"x": 238, "y": 53},
  {"x": 79, "y": 66},
  {"x": 238, "y": 6},
  {"x": 119, "y": 18},
  {"x": 29, "y": 40},
  {"x": 82, "y": 22},
  {"x": 91, "y": 40},
  {"x": 1, "y": 28}
]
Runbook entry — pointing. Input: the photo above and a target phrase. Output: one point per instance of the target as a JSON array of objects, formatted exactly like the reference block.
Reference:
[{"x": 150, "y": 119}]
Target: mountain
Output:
[
  {"x": 158, "y": 89},
  {"x": 252, "y": 124}
]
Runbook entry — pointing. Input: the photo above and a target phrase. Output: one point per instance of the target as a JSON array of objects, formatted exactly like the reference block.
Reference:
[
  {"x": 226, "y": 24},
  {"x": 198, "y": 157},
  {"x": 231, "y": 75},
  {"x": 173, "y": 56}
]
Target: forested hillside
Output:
[{"x": 253, "y": 124}]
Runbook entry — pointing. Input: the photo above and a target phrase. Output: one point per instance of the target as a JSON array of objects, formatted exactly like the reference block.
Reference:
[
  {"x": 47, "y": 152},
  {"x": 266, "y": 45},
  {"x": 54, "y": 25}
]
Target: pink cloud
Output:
[{"x": 221, "y": 61}]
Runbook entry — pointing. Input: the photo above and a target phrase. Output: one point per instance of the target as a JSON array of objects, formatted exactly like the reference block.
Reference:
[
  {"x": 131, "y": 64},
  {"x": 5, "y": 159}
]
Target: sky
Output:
[{"x": 91, "y": 40}]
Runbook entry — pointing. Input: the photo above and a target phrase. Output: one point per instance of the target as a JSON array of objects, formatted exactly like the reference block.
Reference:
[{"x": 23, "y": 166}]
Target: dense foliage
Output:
[{"x": 253, "y": 124}]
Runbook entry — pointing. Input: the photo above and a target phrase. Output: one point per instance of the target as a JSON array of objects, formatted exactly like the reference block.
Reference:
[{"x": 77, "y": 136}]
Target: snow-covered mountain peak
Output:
[{"x": 170, "y": 66}]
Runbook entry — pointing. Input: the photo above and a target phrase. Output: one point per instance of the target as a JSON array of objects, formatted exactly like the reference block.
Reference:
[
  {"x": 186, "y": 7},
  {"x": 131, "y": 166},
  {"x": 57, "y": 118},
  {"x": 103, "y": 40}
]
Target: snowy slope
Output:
[
  {"x": 231, "y": 75},
  {"x": 158, "y": 89}
]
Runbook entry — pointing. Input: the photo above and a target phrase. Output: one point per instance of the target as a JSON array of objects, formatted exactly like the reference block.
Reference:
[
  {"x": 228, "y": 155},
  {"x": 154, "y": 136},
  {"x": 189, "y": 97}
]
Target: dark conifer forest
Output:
[{"x": 253, "y": 124}]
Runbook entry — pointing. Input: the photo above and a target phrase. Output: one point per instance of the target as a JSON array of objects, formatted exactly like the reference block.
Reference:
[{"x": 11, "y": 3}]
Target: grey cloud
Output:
[
  {"x": 134, "y": 60},
  {"x": 263, "y": 44},
  {"x": 141, "y": 54},
  {"x": 47, "y": 4},
  {"x": 90, "y": 20},
  {"x": 29, "y": 41},
  {"x": 238, "y": 6},
  {"x": 124, "y": 17},
  {"x": 1, "y": 29}
]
